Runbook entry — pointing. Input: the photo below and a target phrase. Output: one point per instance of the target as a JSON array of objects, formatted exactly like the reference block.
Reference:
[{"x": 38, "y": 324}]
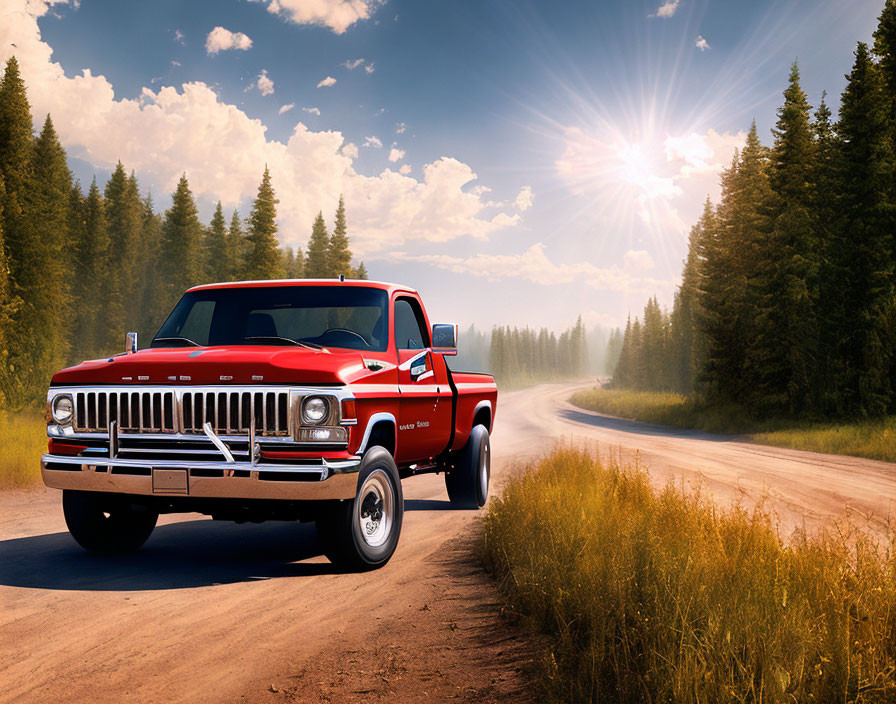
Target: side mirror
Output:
[
  {"x": 130, "y": 343},
  {"x": 444, "y": 338}
]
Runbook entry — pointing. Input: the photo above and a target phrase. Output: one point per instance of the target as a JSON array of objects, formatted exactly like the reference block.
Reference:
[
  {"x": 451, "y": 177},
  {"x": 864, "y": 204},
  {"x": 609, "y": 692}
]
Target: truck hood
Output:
[{"x": 213, "y": 365}]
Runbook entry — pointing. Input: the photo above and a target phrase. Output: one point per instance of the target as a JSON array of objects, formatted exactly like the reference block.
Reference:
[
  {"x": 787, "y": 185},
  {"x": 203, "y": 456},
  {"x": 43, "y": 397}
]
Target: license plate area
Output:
[{"x": 166, "y": 480}]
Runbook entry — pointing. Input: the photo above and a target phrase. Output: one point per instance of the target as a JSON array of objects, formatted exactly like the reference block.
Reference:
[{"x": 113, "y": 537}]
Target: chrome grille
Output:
[
  {"x": 230, "y": 412},
  {"x": 135, "y": 411},
  {"x": 160, "y": 410}
]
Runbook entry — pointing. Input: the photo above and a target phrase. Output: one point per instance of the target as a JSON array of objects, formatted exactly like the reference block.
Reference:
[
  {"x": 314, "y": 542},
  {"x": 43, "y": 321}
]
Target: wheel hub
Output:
[{"x": 376, "y": 508}]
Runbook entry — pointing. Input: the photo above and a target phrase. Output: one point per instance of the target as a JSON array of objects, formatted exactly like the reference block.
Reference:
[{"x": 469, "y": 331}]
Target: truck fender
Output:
[
  {"x": 380, "y": 431},
  {"x": 482, "y": 415}
]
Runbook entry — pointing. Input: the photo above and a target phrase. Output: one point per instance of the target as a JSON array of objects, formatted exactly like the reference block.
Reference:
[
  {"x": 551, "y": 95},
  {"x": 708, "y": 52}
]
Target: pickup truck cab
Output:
[{"x": 288, "y": 400}]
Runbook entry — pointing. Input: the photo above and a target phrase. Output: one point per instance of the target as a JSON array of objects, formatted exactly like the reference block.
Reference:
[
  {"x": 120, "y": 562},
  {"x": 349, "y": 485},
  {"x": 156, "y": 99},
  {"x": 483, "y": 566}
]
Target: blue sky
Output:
[{"x": 594, "y": 129}]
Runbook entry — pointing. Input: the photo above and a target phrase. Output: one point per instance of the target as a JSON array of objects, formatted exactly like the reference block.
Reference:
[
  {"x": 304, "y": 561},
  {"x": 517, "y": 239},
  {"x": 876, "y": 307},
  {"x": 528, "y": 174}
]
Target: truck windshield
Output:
[{"x": 351, "y": 317}]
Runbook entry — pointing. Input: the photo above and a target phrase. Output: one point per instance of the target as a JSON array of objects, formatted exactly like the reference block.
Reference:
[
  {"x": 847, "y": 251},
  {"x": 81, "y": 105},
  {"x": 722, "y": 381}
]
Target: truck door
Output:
[{"x": 424, "y": 422}]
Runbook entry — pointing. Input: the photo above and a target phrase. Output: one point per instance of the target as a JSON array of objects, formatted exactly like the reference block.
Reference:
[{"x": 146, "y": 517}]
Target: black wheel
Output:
[
  {"x": 107, "y": 523},
  {"x": 467, "y": 483},
  {"x": 363, "y": 533}
]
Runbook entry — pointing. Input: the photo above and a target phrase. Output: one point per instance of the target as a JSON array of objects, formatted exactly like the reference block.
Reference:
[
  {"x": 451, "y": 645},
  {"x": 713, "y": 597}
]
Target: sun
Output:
[{"x": 635, "y": 165}]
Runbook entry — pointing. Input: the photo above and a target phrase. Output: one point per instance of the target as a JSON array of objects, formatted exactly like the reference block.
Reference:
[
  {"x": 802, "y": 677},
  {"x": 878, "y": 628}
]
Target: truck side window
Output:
[{"x": 409, "y": 333}]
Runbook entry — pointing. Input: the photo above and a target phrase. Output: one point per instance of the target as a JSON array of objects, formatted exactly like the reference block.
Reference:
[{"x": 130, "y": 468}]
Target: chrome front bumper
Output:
[{"x": 329, "y": 479}]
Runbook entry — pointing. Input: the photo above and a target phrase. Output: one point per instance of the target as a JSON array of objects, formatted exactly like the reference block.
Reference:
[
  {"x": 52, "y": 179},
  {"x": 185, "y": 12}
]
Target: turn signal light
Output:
[{"x": 349, "y": 414}]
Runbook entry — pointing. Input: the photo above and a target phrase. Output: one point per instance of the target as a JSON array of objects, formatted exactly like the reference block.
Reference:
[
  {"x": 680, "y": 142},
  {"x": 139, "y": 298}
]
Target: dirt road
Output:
[{"x": 210, "y": 612}]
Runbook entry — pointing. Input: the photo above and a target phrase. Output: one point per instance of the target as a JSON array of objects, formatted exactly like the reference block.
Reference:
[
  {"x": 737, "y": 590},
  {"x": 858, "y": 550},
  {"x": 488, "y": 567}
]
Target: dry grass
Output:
[
  {"x": 874, "y": 439},
  {"x": 659, "y": 596},
  {"x": 23, "y": 439}
]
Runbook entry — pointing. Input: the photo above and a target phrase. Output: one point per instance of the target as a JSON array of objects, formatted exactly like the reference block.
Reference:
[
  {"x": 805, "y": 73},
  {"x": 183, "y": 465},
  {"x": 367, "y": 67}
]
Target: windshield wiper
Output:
[
  {"x": 190, "y": 342},
  {"x": 277, "y": 338}
]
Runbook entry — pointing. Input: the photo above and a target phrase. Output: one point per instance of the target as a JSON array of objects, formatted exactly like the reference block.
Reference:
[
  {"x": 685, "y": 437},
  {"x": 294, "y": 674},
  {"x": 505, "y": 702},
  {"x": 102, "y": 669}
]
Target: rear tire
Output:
[
  {"x": 468, "y": 482},
  {"x": 105, "y": 523},
  {"x": 362, "y": 534}
]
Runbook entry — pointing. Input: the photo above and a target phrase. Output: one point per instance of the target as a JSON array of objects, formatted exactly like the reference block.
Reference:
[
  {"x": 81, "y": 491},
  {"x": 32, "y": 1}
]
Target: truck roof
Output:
[{"x": 361, "y": 283}]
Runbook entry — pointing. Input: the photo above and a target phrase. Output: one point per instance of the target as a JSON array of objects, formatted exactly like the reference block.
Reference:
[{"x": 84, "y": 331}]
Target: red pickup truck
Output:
[{"x": 271, "y": 400}]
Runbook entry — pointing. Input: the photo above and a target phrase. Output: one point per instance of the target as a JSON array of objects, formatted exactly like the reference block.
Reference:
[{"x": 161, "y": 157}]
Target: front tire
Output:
[
  {"x": 362, "y": 534},
  {"x": 104, "y": 523},
  {"x": 468, "y": 482}
]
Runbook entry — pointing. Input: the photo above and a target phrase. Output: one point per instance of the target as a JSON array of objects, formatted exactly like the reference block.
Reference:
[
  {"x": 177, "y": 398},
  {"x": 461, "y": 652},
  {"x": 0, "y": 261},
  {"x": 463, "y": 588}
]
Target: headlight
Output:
[
  {"x": 315, "y": 410},
  {"x": 62, "y": 409}
]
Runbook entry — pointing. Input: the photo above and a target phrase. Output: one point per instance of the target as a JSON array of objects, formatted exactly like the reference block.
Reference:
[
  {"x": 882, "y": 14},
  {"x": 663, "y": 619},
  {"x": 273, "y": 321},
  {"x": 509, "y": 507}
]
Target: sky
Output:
[{"x": 518, "y": 163}]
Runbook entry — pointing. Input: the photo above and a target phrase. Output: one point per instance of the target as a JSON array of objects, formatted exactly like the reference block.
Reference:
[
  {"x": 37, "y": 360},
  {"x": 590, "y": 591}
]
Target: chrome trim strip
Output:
[
  {"x": 404, "y": 366},
  {"x": 53, "y": 432},
  {"x": 210, "y": 434},
  {"x": 335, "y": 466},
  {"x": 372, "y": 421}
]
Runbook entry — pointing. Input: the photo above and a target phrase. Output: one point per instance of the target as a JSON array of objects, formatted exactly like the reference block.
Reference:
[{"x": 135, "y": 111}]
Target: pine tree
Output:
[
  {"x": 340, "y": 257},
  {"x": 361, "y": 272},
  {"x": 218, "y": 254},
  {"x": 293, "y": 264},
  {"x": 782, "y": 349},
  {"x": 862, "y": 249},
  {"x": 9, "y": 305},
  {"x": 91, "y": 279},
  {"x": 16, "y": 157},
  {"x": 827, "y": 220},
  {"x": 264, "y": 257},
  {"x": 41, "y": 274},
  {"x": 317, "y": 261},
  {"x": 237, "y": 247},
  {"x": 124, "y": 217},
  {"x": 686, "y": 342},
  {"x": 181, "y": 256},
  {"x": 154, "y": 296}
]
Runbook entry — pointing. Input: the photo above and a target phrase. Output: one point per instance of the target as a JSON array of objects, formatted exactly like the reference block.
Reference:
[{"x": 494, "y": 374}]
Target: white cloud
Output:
[
  {"x": 405, "y": 169},
  {"x": 220, "y": 39},
  {"x": 702, "y": 44},
  {"x": 164, "y": 133},
  {"x": 400, "y": 128},
  {"x": 175, "y": 64},
  {"x": 338, "y": 15},
  {"x": 396, "y": 154},
  {"x": 373, "y": 143},
  {"x": 667, "y": 9},
  {"x": 638, "y": 260},
  {"x": 368, "y": 69},
  {"x": 534, "y": 266},
  {"x": 524, "y": 199},
  {"x": 351, "y": 65},
  {"x": 264, "y": 84},
  {"x": 312, "y": 111},
  {"x": 286, "y": 108},
  {"x": 327, "y": 82},
  {"x": 178, "y": 35}
]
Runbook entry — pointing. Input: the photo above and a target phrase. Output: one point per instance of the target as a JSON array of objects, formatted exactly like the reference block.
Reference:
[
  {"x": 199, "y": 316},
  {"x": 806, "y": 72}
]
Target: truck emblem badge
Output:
[
  {"x": 257, "y": 377},
  {"x": 172, "y": 378},
  {"x": 185, "y": 378},
  {"x": 226, "y": 378},
  {"x": 127, "y": 378},
  {"x": 142, "y": 378}
]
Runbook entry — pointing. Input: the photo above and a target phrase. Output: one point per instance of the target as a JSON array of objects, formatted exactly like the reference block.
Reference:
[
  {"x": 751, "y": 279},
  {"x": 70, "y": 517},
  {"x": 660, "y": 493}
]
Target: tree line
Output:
[
  {"x": 77, "y": 270},
  {"x": 787, "y": 298},
  {"x": 527, "y": 355}
]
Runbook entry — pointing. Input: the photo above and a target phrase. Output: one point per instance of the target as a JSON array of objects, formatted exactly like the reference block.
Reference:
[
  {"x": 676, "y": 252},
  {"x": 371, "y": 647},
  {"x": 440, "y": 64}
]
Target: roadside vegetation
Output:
[
  {"x": 874, "y": 438},
  {"x": 653, "y": 595},
  {"x": 23, "y": 439}
]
